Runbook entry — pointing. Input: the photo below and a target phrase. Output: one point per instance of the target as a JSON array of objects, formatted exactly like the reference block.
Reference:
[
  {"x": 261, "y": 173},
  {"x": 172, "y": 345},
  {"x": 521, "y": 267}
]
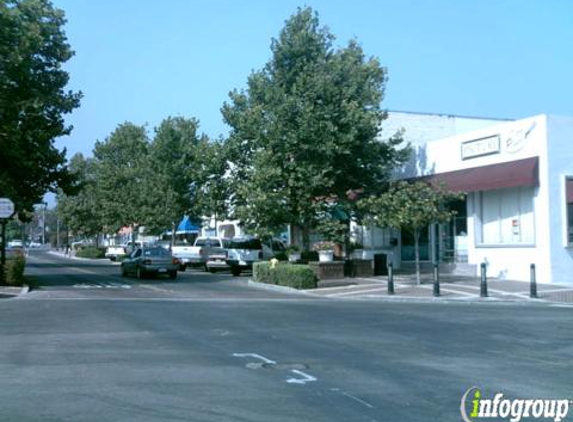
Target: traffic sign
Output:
[{"x": 6, "y": 208}]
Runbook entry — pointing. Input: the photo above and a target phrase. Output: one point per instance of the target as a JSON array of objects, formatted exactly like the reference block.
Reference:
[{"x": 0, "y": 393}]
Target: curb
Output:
[
  {"x": 396, "y": 299},
  {"x": 277, "y": 288},
  {"x": 77, "y": 258},
  {"x": 13, "y": 294},
  {"x": 451, "y": 300}
]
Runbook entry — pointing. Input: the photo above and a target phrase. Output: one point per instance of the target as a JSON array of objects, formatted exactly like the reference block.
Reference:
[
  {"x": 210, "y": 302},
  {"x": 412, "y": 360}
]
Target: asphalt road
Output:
[{"x": 90, "y": 345}]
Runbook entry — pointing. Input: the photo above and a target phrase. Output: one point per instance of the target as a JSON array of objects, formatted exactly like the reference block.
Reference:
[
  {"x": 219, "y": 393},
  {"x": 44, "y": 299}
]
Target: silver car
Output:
[{"x": 146, "y": 261}]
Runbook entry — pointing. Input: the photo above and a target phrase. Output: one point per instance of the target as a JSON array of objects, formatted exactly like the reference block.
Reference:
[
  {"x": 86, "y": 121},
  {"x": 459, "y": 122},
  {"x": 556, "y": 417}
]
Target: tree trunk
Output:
[
  {"x": 216, "y": 230},
  {"x": 417, "y": 254},
  {"x": 306, "y": 236},
  {"x": 346, "y": 239}
]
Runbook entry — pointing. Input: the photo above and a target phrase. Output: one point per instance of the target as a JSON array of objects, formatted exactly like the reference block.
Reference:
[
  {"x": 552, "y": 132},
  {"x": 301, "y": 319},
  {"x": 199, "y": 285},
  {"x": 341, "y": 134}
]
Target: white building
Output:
[{"x": 519, "y": 179}]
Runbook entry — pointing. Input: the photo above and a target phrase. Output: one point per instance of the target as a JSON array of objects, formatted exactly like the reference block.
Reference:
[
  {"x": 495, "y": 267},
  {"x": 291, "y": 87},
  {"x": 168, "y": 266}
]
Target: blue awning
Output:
[{"x": 187, "y": 226}]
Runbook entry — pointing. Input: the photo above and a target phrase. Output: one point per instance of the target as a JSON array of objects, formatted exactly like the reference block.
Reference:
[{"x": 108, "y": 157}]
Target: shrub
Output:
[
  {"x": 284, "y": 274},
  {"x": 91, "y": 252},
  {"x": 292, "y": 249},
  {"x": 308, "y": 256},
  {"x": 281, "y": 256},
  {"x": 14, "y": 270}
]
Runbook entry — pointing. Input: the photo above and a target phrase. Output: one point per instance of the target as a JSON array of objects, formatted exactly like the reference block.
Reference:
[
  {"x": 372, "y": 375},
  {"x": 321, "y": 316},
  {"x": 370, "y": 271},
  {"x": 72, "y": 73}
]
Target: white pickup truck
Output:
[
  {"x": 118, "y": 252},
  {"x": 198, "y": 254}
]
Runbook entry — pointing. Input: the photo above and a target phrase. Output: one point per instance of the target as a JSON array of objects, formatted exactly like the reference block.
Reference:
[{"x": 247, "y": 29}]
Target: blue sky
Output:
[{"x": 145, "y": 60}]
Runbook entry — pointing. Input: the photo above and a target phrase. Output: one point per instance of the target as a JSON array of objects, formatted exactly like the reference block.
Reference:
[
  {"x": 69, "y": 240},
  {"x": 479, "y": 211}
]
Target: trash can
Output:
[{"x": 380, "y": 264}]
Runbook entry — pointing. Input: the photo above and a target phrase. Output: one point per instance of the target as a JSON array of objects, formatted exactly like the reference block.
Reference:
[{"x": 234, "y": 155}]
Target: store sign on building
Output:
[{"x": 480, "y": 147}]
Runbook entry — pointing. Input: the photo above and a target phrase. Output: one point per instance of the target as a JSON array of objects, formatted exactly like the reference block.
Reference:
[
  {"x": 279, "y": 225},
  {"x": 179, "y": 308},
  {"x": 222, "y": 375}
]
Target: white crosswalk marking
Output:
[{"x": 101, "y": 286}]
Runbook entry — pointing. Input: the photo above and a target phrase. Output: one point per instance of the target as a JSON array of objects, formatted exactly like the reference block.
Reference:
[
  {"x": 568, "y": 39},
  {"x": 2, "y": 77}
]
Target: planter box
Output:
[
  {"x": 327, "y": 270},
  {"x": 325, "y": 256},
  {"x": 294, "y": 257},
  {"x": 359, "y": 268}
]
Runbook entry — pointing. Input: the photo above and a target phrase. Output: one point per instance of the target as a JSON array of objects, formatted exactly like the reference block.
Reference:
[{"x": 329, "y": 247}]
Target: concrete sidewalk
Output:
[
  {"x": 12, "y": 291},
  {"x": 451, "y": 288}
]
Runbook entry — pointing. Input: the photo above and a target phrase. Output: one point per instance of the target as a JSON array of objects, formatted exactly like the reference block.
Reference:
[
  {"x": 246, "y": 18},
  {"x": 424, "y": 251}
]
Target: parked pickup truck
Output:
[
  {"x": 120, "y": 251},
  {"x": 198, "y": 254}
]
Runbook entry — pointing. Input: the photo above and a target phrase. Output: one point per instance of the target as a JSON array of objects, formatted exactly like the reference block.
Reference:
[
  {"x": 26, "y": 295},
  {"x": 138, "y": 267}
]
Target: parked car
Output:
[
  {"x": 116, "y": 252},
  {"x": 82, "y": 244},
  {"x": 15, "y": 244},
  {"x": 165, "y": 244},
  {"x": 147, "y": 261},
  {"x": 244, "y": 251},
  {"x": 197, "y": 254}
]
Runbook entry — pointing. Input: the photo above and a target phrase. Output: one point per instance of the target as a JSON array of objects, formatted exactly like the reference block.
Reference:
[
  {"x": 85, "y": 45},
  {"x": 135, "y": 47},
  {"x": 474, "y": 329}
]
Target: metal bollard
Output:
[
  {"x": 390, "y": 279},
  {"x": 483, "y": 284},
  {"x": 533, "y": 285},
  {"x": 436, "y": 280}
]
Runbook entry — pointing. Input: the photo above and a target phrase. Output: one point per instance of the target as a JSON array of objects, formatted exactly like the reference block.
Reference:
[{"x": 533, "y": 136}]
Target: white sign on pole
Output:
[{"x": 6, "y": 208}]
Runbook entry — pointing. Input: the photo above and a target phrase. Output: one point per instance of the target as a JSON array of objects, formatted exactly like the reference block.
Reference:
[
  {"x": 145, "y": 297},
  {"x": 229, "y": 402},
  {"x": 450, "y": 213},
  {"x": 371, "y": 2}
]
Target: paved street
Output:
[{"x": 89, "y": 345}]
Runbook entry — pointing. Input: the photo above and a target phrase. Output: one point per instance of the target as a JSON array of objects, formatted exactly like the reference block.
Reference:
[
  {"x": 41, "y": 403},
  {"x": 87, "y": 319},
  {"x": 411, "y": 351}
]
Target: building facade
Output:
[{"x": 518, "y": 176}]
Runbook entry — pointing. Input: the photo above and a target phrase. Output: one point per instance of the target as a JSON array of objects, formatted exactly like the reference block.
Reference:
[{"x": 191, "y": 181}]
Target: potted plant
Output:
[
  {"x": 325, "y": 250},
  {"x": 293, "y": 252}
]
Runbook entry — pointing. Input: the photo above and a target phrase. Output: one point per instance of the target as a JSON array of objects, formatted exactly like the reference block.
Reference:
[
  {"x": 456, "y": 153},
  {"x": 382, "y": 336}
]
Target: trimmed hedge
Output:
[
  {"x": 284, "y": 274},
  {"x": 91, "y": 252},
  {"x": 14, "y": 271}
]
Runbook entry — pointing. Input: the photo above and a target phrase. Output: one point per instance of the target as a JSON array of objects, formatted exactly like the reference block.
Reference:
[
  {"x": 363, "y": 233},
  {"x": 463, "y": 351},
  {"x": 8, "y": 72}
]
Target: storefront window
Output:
[
  {"x": 408, "y": 245},
  {"x": 506, "y": 217}
]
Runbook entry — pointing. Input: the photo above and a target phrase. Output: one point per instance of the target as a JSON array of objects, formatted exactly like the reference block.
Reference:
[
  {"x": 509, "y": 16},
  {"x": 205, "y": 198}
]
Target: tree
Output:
[
  {"x": 33, "y": 101},
  {"x": 121, "y": 174},
  {"x": 174, "y": 162},
  {"x": 410, "y": 206},
  {"x": 306, "y": 128},
  {"x": 210, "y": 188},
  {"x": 81, "y": 212},
  {"x": 143, "y": 182}
]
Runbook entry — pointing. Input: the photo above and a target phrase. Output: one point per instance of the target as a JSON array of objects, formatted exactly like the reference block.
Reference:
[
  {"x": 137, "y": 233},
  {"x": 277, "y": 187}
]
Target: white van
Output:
[{"x": 244, "y": 251}]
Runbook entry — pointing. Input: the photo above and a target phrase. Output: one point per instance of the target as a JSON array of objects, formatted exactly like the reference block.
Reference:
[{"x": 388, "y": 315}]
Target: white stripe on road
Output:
[
  {"x": 305, "y": 378},
  {"x": 356, "y": 292},
  {"x": 101, "y": 286},
  {"x": 256, "y": 356}
]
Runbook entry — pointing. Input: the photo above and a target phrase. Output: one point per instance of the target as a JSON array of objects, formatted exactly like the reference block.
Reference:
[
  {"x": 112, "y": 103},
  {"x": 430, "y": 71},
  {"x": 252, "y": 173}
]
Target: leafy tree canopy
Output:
[
  {"x": 306, "y": 128},
  {"x": 140, "y": 181},
  {"x": 120, "y": 165},
  {"x": 410, "y": 206},
  {"x": 81, "y": 212},
  {"x": 33, "y": 101}
]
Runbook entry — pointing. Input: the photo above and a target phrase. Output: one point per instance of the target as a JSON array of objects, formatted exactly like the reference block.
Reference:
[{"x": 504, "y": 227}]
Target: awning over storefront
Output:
[{"x": 510, "y": 174}]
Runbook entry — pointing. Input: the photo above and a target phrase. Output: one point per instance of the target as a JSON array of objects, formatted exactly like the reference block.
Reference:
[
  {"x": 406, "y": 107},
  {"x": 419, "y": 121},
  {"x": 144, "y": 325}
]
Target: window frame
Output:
[{"x": 479, "y": 220}]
